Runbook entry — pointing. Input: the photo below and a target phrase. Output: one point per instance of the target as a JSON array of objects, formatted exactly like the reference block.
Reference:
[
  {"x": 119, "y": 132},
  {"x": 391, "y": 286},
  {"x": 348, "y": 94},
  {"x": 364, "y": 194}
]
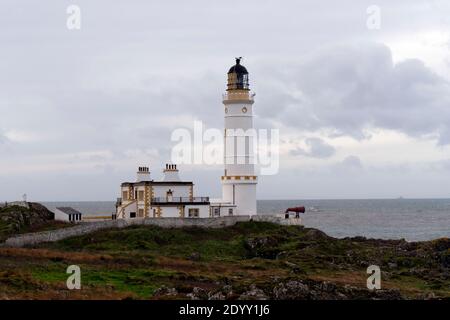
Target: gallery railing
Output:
[{"x": 180, "y": 199}]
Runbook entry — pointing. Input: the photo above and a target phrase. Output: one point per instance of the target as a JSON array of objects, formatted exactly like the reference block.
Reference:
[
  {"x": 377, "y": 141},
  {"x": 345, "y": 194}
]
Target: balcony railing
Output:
[
  {"x": 180, "y": 199},
  {"x": 247, "y": 95}
]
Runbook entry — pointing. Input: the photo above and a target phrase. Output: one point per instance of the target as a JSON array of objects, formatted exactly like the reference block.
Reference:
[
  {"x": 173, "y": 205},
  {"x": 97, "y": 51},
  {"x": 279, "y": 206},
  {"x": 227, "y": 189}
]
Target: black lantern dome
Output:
[{"x": 238, "y": 77}]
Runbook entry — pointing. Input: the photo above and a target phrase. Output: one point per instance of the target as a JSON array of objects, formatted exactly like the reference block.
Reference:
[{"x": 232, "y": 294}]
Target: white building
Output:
[
  {"x": 68, "y": 214},
  {"x": 172, "y": 197}
]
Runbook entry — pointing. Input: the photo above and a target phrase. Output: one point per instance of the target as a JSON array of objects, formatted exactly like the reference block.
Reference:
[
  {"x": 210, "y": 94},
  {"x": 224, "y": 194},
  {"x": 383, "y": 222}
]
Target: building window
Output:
[
  {"x": 193, "y": 212},
  {"x": 141, "y": 213},
  {"x": 141, "y": 196},
  {"x": 216, "y": 212},
  {"x": 124, "y": 195},
  {"x": 132, "y": 214},
  {"x": 230, "y": 212},
  {"x": 169, "y": 196}
]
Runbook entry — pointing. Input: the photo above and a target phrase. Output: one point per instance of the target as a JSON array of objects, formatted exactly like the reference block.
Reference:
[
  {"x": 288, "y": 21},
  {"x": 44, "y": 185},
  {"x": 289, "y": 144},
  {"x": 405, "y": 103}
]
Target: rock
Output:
[
  {"x": 392, "y": 265},
  {"x": 327, "y": 286},
  {"x": 198, "y": 294},
  {"x": 165, "y": 291},
  {"x": 291, "y": 290},
  {"x": 216, "y": 296},
  {"x": 226, "y": 292},
  {"x": 282, "y": 255},
  {"x": 390, "y": 294},
  {"x": 227, "y": 289},
  {"x": 426, "y": 296},
  {"x": 195, "y": 256},
  {"x": 253, "y": 294},
  {"x": 358, "y": 239},
  {"x": 442, "y": 244},
  {"x": 295, "y": 267},
  {"x": 263, "y": 247},
  {"x": 314, "y": 234},
  {"x": 19, "y": 216}
]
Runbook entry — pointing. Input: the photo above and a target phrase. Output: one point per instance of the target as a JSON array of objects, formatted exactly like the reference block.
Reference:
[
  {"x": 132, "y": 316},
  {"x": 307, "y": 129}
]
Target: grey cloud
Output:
[
  {"x": 351, "y": 162},
  {"x": 134, "y": 73},
  {"x": 350, "y": 87},
  {"x": 317, "y": 148},
  {"x": 3, "y": 138}
]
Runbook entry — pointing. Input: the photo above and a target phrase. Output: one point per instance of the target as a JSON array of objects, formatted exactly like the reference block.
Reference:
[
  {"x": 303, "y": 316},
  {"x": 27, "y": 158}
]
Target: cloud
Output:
[
  {"x": 116, "y": 91},
  {"x": 348, "y": 88},
  {"x": 3, "y": 138},
  {"x": 351, "y": 162},
  {"x": 316, "y": 148}
]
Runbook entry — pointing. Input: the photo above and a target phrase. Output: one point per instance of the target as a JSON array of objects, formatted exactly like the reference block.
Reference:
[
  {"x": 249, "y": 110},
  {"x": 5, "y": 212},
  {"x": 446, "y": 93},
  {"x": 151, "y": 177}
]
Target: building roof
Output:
[
  {"x": 68, "y": 210},
  {"x": 157, "y": 183},
  {"x": 238, "y": 68}
]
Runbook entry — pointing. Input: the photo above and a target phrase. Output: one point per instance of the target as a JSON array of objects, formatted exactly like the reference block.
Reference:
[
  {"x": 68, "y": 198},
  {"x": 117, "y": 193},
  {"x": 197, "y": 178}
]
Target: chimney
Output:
[
  {"x": 171, "y": 173},
  {"x": 143, "y": 174}
]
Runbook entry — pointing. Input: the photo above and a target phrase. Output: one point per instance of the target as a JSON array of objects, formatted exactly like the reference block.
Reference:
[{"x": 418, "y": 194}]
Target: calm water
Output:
[{"x": 387, "y": 219}]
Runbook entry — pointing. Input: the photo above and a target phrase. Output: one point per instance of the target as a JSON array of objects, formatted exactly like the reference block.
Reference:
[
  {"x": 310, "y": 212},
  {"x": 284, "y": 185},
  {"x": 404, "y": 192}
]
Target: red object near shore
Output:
[{"x": 296, "y": 210}]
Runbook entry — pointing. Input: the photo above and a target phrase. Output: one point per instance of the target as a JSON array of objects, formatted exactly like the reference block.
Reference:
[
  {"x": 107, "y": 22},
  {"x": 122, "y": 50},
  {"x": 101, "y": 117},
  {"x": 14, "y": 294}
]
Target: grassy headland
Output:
[{"x": 251, "y": 260}]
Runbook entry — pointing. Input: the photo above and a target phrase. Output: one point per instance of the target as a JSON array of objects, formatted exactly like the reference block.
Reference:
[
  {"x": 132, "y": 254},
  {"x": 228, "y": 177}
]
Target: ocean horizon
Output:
[{"x": 410, "y": 219}]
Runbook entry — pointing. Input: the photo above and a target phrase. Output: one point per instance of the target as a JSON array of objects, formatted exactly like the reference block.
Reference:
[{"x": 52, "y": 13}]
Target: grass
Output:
[
  {"x": 140, "y": 282},
  {"x": 135, "y": 261}
]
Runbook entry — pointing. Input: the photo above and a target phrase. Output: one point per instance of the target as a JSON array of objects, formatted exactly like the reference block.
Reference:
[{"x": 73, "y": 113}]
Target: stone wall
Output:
[{"x": 86, "y": 228}]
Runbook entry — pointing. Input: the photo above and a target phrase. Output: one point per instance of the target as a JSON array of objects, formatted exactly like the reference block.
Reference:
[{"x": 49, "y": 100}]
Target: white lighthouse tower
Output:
[{"x": 239, "y": 179}]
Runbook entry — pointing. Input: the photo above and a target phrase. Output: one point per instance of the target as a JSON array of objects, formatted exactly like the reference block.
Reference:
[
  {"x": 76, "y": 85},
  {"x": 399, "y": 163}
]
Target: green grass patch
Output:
[{"x": 141, "y": 282}]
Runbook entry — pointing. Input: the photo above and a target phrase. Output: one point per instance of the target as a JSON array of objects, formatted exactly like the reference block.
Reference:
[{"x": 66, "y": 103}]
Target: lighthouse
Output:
[
  {"x": 172, "y": 197},
  {"x": 239, "y": 179}
]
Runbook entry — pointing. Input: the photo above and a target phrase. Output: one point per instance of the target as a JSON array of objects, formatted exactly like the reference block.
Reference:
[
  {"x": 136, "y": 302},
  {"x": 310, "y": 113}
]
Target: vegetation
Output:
[
  {"x": 15, "y": 219},
  {"x": 252, "y": 260}
]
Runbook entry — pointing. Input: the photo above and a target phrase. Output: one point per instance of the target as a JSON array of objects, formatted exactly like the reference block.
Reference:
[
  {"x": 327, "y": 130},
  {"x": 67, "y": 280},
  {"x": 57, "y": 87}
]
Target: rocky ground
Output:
[
  {"x": 247, "y": 261},
  {"x": 28, "y": 217}
]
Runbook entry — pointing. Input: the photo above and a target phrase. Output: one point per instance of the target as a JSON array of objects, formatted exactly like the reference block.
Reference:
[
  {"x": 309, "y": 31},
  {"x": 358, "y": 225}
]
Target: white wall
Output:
[
  {"x": 177, "y": 191},
  {"x": 223, "y": 210},
  {"x": 244, "y": 196},
  {"x": 203, "y": 210},
  {"x": 61, "y": 216},
  {"x": 170, "y": 212}
]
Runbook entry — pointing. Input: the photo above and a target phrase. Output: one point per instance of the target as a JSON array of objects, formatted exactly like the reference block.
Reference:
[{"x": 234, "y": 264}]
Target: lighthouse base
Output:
[{"x": 241, "y": 194}]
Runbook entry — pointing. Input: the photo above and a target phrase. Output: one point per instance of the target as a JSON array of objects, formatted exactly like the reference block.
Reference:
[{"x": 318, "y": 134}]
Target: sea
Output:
[{"x": 409, "y": 219}]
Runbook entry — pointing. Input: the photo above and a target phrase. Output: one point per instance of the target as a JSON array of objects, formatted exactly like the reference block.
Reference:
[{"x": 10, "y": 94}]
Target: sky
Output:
[{"x": 361, "y": 98}]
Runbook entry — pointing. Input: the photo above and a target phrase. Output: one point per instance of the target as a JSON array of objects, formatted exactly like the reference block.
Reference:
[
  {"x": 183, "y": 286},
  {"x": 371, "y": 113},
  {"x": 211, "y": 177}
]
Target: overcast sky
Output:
[{"x": 362, "y": 113}]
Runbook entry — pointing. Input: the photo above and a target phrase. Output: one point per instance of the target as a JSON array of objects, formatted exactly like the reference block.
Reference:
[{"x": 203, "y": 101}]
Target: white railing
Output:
[{"x": 180, "y": 199}]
